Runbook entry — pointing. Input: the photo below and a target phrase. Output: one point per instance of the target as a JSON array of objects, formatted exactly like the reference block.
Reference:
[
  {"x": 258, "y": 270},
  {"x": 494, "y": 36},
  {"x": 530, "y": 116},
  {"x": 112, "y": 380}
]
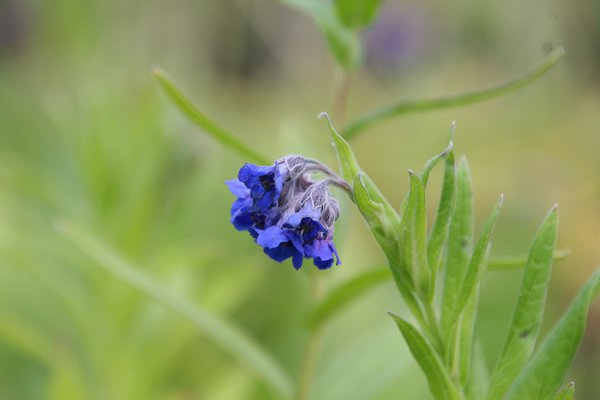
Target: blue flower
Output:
[
  {"x": 244, "y": 215},
  {"x": 286, "y": 212},
  {"x": 301, "y": 236},
  {"x": 265, "y": 184}
]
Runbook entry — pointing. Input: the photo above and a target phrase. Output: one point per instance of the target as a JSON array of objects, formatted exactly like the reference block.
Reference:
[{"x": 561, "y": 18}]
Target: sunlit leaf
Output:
[
  {"x": 223, "y": 333},
  {"x": 529, "y": 310},
  {"x": 357, "y": 14},
  {"x": 206, "y": 124},
  {"x": 406, "y": 106},
  {"x": 548, "y": 368},
  {"x": 438, "y": 378},
  {"x": 347, "y": 293}
]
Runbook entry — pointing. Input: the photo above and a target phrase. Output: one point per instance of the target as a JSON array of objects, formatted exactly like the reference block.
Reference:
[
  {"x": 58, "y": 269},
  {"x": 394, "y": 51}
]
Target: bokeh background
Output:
[{"x": 87, "y": 136}]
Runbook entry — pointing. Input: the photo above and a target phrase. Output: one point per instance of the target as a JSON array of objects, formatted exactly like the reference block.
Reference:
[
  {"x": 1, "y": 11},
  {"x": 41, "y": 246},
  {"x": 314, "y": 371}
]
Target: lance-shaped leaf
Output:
[
  {"x": 221, "y": 332},
  {"x": 473, "y": 276},
  {"x": 439, "y": 231},
  {"x": 413, "y": 235},
  {"x": 460, "y": 240},
  {"x": 438, "y": 378},
  {"x": 349, "y": 167},
  {"x": 206, "y": 124},
  {"x": 529, "y": 310},
  {"x": 548, "y": 368}
]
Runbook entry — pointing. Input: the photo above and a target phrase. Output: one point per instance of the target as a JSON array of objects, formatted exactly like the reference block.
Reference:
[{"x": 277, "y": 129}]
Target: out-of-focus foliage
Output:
[{"x": 86, "y": 135}]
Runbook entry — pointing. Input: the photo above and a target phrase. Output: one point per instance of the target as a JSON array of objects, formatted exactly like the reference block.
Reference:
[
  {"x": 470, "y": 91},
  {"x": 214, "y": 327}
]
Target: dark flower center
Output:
[
  {"x": 267, "y": 181},
  {"x": 259, "y": 220}
]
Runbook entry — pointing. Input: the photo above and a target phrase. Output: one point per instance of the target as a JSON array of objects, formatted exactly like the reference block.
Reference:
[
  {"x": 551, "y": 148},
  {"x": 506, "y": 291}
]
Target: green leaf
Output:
[
  {"x": 501, "y": 262},
  {"x": 414, "y": 236},
  {"x": 466, "y": 305},
  {"x": 357, "y": 14},
  {"x": 549, "y": 366},
  {"x": 204, "y": 123},
  {"x": 438, "y": 378},
  {"x": 565, "y": 393},
  {"x": 349, "y": 167},
  {"x": 475, "y": 96},
  {"x": 347, "y": 293},
  {"x": 343, "y": 43},
  {"x": 383, "y": 223},
  {"x": 473, "y": 275},
  {"x": 439, "y": 231},
  {"x": 529, "y": 309},
  {"x": 430, "y": 164},
  {"x": 466, "y": 339},
  {"x": 460, "y": 238},
  {"x": 229, "y": 337}
]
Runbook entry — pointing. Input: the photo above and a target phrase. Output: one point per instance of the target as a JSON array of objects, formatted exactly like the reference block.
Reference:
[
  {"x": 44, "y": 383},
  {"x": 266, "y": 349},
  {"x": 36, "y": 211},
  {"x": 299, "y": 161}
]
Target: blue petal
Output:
[
  {"x": 296, "y": 240},
  {"x": 322, "y": 250},
  {"x": 311, "y": 229},
  {"x": 323, "y": 264},
  {"x": 241, "y": 203},
  {"x": 250, "y": 173},
  {"x": 238, "y": 188},
  {"x": 282, "y": 252},
  {"x": 242, "y": 220},
  {"x": 307, "y": 211},
  {"x": 297, "y": 261},
  {"x": 271, "y": 237}
]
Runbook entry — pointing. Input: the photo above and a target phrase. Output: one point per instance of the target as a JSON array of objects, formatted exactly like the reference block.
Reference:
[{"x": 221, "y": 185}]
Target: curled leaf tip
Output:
[{"x": 324, "y": 115}]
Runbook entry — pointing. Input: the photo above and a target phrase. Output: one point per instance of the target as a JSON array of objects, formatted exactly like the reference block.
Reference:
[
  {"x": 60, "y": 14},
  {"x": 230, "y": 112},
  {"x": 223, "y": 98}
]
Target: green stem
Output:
[
  {"x": 434, "y": 327},
  {"x": 405, "y": 106}
]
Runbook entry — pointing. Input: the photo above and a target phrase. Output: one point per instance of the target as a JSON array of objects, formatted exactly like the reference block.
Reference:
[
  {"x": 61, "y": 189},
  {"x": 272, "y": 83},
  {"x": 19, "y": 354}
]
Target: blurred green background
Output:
[{"x": 87, "y": 136}]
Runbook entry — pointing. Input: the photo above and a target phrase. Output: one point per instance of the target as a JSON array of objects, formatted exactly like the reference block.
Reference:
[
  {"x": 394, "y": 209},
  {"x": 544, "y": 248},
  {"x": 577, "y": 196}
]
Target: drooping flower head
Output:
[{"x": 287, "y": 213}]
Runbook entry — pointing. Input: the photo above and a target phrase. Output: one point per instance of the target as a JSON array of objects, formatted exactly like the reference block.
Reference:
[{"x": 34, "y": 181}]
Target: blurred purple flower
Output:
[{"x": 395, "y": 39}]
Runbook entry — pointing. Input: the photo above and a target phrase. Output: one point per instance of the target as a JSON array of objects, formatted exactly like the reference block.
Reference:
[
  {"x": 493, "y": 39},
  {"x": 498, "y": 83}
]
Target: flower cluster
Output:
[{"x": 287, "y": 213}]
